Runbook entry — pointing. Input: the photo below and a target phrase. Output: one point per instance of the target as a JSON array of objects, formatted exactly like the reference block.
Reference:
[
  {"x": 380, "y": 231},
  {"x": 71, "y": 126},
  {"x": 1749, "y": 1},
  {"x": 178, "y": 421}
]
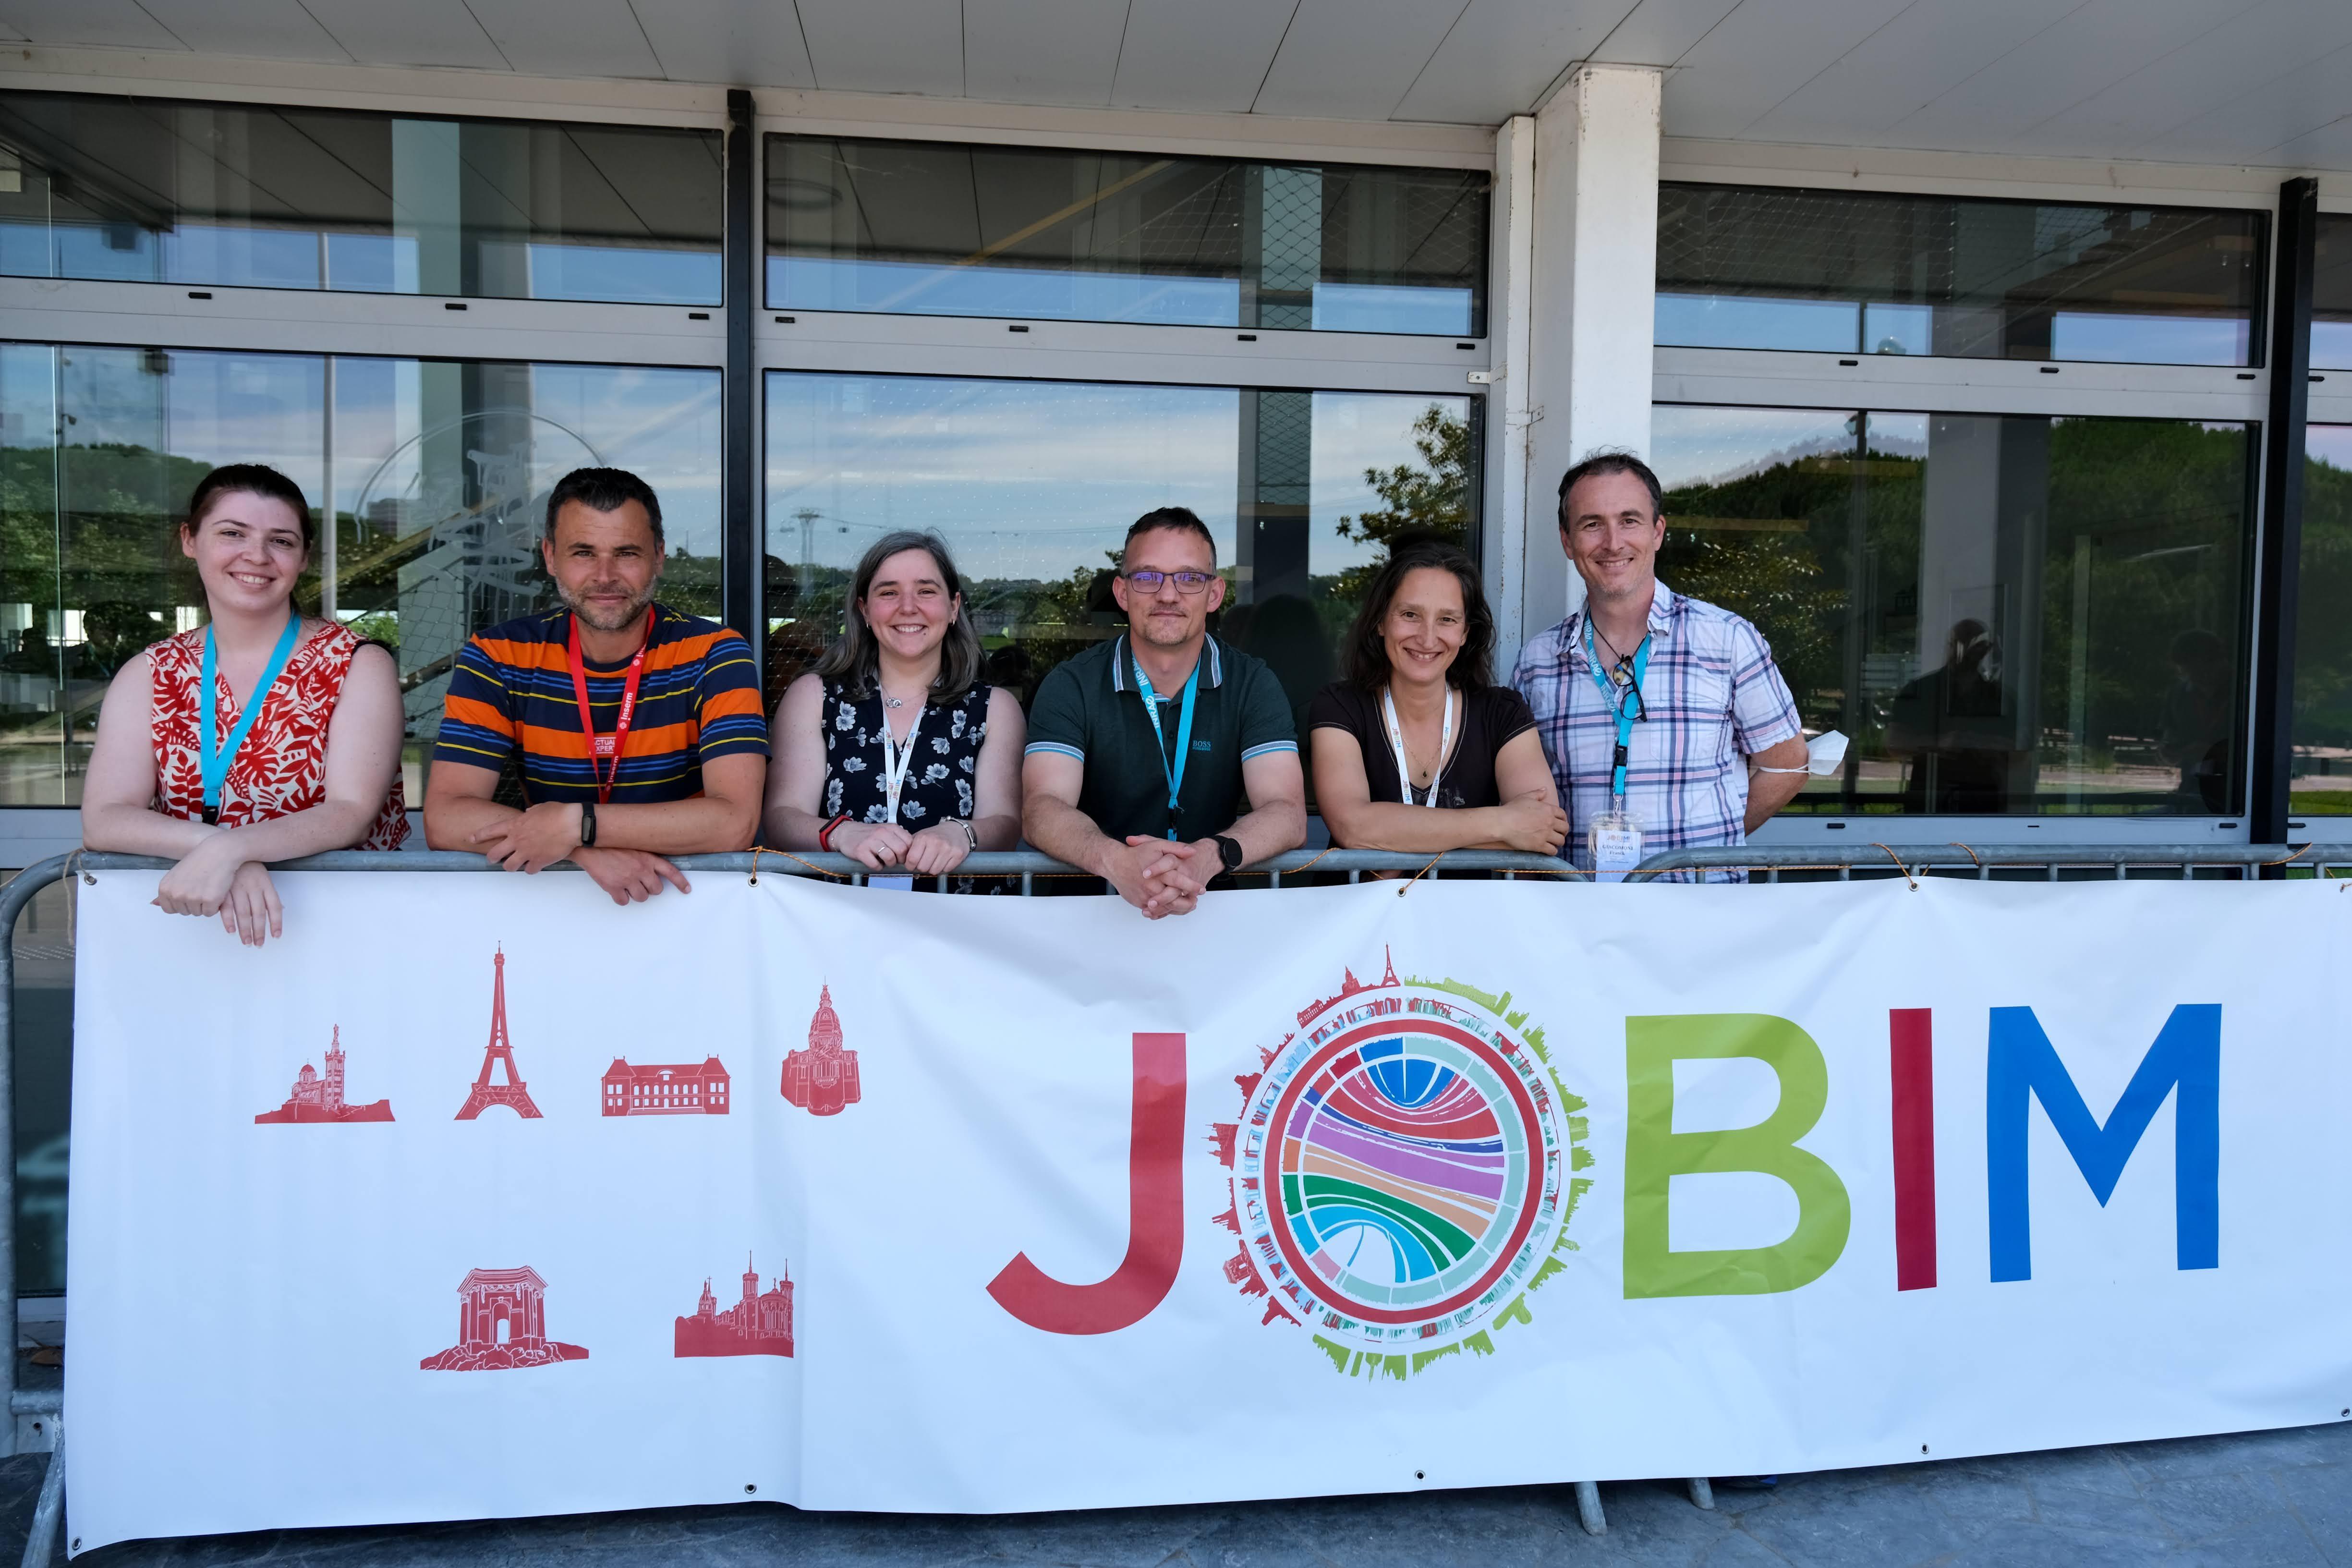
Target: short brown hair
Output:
[
  {"x": 1611, "y": 461},
  {"x": 1177, "y": 519},
  {"x": 249, "y": 480}
]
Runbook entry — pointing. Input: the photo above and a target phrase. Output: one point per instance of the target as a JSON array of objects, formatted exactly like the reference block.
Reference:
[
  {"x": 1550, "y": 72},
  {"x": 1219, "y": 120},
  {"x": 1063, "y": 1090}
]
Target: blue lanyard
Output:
[
  {"x": 214, "y": 765},
  {"x": 1616, "y": 698},
  {"x": 1174, "y": 773}
]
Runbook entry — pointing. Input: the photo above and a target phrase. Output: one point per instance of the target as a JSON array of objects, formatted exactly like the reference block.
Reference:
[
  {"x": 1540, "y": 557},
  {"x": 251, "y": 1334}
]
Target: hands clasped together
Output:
[
  {"x": 535, "y": 840},
  {"x": 216, "y": 879},
  {"x": 1161, "y": 876}
]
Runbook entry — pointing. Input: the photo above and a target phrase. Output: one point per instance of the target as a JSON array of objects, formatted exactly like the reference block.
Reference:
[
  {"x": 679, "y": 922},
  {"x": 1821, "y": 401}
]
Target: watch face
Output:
[{"x": 1229, "y": 853}]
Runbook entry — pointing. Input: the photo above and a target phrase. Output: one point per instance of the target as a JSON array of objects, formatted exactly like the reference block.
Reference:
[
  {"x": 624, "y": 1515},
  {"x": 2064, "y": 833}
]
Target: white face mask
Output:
[{"x": 1824, "y": 754}]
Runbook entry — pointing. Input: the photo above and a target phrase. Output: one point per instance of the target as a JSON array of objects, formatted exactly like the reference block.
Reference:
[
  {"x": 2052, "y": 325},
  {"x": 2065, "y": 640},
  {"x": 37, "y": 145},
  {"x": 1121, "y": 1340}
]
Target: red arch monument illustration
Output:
[
  {"x": 824, "y": 1077},
  {"x": 759, "y": 1324},
  {"x": 512, "y": 1093},
  {"x": 318, "y": 1098},
  {"x": 501, "y": 1324}
]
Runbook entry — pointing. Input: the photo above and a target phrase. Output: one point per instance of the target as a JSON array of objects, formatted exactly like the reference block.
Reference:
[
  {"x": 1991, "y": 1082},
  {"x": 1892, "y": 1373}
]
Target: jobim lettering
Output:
[{"x": 2022, "y": 1066}]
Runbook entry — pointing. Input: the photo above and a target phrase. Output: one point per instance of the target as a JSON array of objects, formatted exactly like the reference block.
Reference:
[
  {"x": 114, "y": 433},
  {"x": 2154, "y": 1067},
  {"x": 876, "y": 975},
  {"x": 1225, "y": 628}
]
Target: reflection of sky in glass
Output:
[
  {"x": 1715, "y": 445},
  {"x": 1078, "y": 294},
  {"x": 2329, "y": 444},
  {"x": 1025, "y": 478},
  {"x": 1045, "y": 294},
  {"x": 2331, "y": 345},
  {"x": 1032, "y": 479},
  {"x": 1844, "y": 326}
]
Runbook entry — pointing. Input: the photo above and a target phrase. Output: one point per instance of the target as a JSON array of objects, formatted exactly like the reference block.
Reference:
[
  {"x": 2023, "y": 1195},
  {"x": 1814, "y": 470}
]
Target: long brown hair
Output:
[
  {"x": 1472, "y": 669},
  {"x": 855, "y": 662}
]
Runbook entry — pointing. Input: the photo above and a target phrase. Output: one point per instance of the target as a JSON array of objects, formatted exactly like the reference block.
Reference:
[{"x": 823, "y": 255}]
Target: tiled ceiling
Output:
[{"x": 2264, "y": 82}]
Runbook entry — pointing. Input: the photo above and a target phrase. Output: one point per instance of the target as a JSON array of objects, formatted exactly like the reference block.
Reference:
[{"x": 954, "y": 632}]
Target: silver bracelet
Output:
[{"x": 971, "y": 833}]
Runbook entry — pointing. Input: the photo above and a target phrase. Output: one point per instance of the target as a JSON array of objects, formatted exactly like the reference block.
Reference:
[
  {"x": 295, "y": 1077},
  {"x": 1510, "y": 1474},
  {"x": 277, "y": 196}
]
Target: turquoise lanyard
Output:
[
  {"x": 214, "y": 765},
  {"x": 1616, "y": 698},
  {"x": 1175, "y": 773}
]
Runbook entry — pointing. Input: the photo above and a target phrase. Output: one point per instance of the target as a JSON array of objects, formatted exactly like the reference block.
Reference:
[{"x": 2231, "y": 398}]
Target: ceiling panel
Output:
[
  {"x": 273, "y": 29},
  {"x": 12, "y": 34},
  {"x": 1905, "y": 65},
  {"x": 1660, "y": 32},
  {"x": 2279, "y": 113},
  {"x": 2329, "y": 147},
  {"x": 737, "y": 43},
  {"x": 1760, "y": 54},
  {"x": 886, "y": 46},
  {"x": 2227, "y": 62},
  {"x": 1502, "y": 54},
  {"x": 1202, "y": 56},
  {"x": 1354, "y": 60},
  {"x": 414, "y": 33},
  {"x": 568, "y": 38},
  {"x": 1042, "y": 51},
  {"x": 62, "y": 24},
  {"x": 2090, "y": 48}
]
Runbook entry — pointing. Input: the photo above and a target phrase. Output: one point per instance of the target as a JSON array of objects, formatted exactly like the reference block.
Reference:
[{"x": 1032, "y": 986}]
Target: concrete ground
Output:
[{"x": 2263, "y": 1498}]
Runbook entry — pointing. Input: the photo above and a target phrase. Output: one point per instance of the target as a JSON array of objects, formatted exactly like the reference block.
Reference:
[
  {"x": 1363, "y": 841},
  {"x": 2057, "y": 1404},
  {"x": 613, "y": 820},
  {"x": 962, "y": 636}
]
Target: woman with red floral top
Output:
[{"x": 262, "y": 735}]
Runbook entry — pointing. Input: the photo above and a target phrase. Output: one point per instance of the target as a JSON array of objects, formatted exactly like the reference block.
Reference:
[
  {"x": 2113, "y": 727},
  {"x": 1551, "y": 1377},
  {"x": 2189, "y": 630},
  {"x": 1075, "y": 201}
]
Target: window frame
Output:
[{"x": 1771, "y": 378}]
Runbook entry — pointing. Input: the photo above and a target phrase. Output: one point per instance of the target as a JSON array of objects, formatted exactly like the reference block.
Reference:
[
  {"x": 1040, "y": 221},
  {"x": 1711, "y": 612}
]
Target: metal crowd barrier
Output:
[{"x": 34, "y": 1414}]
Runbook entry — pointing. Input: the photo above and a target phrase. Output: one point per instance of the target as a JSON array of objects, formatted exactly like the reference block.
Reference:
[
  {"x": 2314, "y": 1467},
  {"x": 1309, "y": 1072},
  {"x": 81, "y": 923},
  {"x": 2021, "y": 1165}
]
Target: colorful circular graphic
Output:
[{"x": 1403, "y": 1173}]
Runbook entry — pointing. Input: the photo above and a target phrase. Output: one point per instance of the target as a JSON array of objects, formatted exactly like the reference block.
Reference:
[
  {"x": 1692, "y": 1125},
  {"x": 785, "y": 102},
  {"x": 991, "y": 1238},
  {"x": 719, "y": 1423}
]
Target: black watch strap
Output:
[
  {"x": 1229, "y": 851},
  {"x": 587, "y": 824}
]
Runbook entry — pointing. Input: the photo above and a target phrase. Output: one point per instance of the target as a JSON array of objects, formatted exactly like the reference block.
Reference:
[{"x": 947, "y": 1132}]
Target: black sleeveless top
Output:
[{"x": 939, "y": 780}]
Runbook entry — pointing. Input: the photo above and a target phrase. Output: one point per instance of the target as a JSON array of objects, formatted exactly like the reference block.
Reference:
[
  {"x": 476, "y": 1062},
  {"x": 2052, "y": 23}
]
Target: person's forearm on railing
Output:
[{"x": 1530, "y": 819}]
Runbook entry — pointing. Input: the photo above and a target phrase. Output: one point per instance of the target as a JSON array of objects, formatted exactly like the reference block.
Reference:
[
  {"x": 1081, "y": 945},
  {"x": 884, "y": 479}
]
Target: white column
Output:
[{"x": 1592, "y": 301}]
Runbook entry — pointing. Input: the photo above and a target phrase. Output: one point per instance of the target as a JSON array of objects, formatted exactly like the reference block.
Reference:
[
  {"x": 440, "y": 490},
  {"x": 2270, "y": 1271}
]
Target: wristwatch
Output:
[
  {"x": 587, "y": 825},
  {"x": 1229, "y": 851}
]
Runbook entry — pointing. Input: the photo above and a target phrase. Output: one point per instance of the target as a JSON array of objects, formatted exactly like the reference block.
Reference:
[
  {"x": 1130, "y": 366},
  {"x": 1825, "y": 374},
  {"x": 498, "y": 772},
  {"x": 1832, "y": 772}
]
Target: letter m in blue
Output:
[{"x": 2020, "y": 1065}]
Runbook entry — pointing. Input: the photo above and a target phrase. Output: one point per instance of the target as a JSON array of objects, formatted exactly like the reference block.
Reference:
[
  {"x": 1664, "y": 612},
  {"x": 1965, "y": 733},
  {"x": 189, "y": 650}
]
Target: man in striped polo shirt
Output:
[{"x": 637, "y": 732}]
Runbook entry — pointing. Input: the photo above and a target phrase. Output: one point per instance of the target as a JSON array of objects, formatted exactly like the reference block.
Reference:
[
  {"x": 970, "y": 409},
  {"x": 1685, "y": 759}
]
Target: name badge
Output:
[
  {"x": 892, "y": 884},
  {"x": 1615, "y": 838}
]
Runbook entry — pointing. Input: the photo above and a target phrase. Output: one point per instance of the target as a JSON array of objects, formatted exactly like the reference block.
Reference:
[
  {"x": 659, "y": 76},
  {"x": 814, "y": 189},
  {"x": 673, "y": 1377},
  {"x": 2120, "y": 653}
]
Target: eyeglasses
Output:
[
  {"x": 1186, "y": 582},
  {"x": 1628, "y": 687}
]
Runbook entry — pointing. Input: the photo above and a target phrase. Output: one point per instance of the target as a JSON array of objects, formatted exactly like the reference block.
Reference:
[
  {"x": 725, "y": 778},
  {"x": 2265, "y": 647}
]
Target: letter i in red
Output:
[{"x": 1912, "y": 1058}]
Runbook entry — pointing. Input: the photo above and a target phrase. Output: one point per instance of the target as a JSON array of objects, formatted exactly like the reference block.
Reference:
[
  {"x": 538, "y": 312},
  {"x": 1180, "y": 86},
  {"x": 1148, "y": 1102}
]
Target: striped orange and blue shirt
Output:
[{"x": 510, "y": 704}]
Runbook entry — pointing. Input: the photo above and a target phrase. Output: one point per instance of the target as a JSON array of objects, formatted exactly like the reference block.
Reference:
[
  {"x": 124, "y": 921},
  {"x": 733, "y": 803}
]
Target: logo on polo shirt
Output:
[{"x": 1404, "y": 1172}]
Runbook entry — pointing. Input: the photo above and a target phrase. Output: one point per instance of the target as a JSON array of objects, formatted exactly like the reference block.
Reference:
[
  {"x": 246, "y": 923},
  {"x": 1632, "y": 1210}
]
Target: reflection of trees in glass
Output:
[
  {"x": 1820, "y": 551},
  {"x": 2322, "y": 655},
  {"x": 1433, "y": 498}
]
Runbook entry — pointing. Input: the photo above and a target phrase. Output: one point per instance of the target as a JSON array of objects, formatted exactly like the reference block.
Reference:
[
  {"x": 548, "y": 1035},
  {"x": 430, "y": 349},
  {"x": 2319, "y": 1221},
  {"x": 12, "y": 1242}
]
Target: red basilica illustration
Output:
[
  {"x": 670, "y": 1089},
  {"x": 501, "y": 1324},
  {"x": 759, "y": 1324},
  {"x": 824, "y": 1077},
  {"x": 512, "y": 1093},
  {"x": 318, "y": 1098}
]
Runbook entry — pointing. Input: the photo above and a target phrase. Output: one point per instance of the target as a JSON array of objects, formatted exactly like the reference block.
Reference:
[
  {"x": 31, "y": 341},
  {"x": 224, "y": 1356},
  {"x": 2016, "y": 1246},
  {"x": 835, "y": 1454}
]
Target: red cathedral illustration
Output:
[
  {"x": 824, "y": 1077},
  {"x": 320, "y": 1098},
  {"x": 501, "y": 1324},
  {"x": 512, "y": 1093},
  {"x": 759, "y": 1324},
  {"x": 666, "y": 1089}
]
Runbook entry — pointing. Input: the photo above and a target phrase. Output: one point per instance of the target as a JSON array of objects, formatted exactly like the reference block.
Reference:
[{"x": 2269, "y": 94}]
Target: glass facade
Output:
[
  {"x": 2007, "y": 615},
  {"x": 2331, "y": 294},
  {"x": 2323, "y": 652},
  {"x": 438, "y": 470},
  {"x": 162, "y": 191},
  {"x": 1034, "y": 484},
  {"x": 1851, "y": 272},
  {"x": 950, "y": 229}
]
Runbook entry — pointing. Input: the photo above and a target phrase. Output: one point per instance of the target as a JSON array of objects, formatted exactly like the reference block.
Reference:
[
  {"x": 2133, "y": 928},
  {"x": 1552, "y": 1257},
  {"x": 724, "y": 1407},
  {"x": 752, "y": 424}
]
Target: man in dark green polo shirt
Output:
[{"x": 1142, "y": 748}]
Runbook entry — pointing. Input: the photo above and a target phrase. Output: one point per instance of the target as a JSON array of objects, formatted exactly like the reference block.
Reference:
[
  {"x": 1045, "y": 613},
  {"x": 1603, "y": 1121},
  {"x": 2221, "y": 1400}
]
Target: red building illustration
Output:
[
  {"x": 501, "y": 1324},
  {"x": 318, "y": 1098},
  {"x": 824, "y": 1077},
  {"x": 512, "y": 1093},
  {"x": 759, "y": 1324},
  {"x": 670, "y": 1089}
]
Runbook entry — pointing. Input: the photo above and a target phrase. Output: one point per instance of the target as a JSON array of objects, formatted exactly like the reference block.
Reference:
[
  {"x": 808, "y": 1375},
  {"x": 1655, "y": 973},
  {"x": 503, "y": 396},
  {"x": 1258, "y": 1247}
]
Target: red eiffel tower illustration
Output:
[{"x": 512, "y": 1093}]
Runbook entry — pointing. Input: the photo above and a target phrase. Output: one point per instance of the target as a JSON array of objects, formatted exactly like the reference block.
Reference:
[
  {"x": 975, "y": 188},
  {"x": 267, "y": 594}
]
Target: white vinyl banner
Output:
[{"x": 476, "y": 1196}]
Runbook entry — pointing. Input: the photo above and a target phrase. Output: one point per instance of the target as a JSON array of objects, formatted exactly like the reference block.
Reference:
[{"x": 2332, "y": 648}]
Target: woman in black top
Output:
[
  {"x": 892, "y": 750},
  {"x": 1420, "y": 691}
]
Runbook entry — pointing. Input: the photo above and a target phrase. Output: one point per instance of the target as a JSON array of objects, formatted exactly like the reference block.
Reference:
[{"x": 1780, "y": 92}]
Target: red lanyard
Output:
[{"x": 607, "y": 745}]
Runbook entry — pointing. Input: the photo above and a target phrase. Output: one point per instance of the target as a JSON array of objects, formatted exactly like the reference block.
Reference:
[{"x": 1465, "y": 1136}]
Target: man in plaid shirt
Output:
[{"x": 1709, "y": 705}]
